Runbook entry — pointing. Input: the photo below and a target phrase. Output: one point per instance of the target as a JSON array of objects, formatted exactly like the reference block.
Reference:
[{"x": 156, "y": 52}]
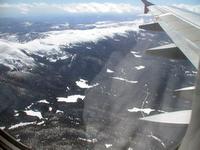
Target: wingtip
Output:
[{"x": 146, "y": 4}]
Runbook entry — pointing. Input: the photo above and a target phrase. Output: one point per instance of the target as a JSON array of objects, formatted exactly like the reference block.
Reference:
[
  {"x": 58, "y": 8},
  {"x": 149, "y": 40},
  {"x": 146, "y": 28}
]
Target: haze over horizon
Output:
[{"x": 22, "y": 8}]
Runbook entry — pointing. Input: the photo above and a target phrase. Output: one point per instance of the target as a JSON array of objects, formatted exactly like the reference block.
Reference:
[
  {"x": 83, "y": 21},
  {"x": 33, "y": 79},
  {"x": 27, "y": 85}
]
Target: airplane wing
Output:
[{"x": 183, "y": 27}]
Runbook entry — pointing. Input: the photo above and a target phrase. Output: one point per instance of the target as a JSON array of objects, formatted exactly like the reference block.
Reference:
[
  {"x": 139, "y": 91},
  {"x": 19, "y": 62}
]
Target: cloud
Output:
[
  {"x": 193, "y": 8},
  {"x": 92, "y": 7},
  {"x": 100, "y": 8},
  {"x": 22, "y": 8}
]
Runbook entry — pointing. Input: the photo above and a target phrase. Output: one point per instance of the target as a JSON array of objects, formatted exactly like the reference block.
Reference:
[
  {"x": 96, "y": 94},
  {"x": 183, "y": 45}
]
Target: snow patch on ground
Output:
[
  {"x": 134, "y": 52},
  {"x": 28, "y": 107},
  {"x": 50, "y": 108},
  {"x": 140, "y": 67},
  {"x": 43, "y": 101},
  {"x": 16, "y": 113},
  {"x": 88, "y": 140},
  {"x": 125, "y": 80},
  {"x": 88, "y": 47},
  {"x": 59, "y": 111},
  {"x": 60, "y": 26},
  {"x": 54, "y": 59},
  {"x": 21, "y": 124},
  {"x": 157, "y": 139},
  {"x": 67, "y": 89},
  {"x": 108, "y": 145},
  {"x": 33, "y": 113},
  {"x": 144, "y": 110},
  {"x": 83, "y": 84},
  {"x": 137, "y": 56},
  {"x": 40, "y": 123},
  {"x": 109, "y": 71},
  {"x": 70, "y": 99}
]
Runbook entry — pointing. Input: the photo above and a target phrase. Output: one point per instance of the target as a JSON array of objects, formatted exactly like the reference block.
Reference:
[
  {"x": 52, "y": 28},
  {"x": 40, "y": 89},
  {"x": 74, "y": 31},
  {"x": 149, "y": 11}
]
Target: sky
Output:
[
  {"x": 135, "y": 2},
  {"x": 39, "y": 7}
]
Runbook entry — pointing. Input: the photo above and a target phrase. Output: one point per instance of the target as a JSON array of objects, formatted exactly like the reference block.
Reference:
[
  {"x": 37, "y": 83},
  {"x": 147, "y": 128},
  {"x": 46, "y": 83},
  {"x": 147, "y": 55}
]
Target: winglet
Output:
[{"x": 146, "y": 4}]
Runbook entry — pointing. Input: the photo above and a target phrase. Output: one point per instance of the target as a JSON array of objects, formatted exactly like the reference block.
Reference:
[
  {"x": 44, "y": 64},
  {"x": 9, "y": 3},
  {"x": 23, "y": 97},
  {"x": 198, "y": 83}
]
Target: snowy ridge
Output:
[
  {"x": 10, "y": 54},
  {"x": 11, "y": 51}
]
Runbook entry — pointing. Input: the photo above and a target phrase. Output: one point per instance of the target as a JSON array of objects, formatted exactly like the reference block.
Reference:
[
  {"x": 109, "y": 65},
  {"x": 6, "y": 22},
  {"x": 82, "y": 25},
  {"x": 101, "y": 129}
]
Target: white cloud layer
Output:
[
  {"x": 22, "y": 8},
  {"x": 92, "y": 7}
]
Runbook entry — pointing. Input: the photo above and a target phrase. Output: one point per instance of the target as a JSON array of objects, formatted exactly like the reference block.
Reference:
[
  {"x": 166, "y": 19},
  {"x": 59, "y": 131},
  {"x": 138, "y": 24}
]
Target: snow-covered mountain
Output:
[{"x": 16, "y": 54}]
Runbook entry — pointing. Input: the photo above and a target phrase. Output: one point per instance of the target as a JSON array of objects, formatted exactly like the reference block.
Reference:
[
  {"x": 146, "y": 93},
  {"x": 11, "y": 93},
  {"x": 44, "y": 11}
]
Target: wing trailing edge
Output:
[
  {"x": 151, "y": 27},
  {"x": 170, "y": 51},
  {"x": 177, "y": 117},
  {"x": 186, "y": 93}
]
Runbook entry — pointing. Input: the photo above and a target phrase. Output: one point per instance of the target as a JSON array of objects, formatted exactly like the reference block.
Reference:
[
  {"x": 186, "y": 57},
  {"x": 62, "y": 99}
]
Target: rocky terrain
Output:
[{"x": 92, "y": 94}]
